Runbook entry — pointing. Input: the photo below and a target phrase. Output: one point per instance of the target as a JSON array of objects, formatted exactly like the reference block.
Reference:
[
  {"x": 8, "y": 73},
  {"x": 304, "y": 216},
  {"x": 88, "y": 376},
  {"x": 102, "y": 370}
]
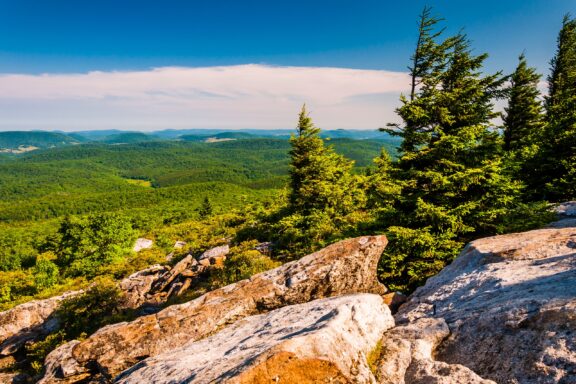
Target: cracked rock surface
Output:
[
  {"x": 345, "y": 267},
  {"x": 325, "y": 340},
  {"x": 510, "y": 305}
]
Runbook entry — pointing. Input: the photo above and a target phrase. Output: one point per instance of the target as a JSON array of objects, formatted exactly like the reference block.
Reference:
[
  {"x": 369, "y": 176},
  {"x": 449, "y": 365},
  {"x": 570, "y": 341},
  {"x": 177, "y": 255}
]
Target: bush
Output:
[
  {"x": 84, "y": 314},
  {"x": 37, "y": 352},
  {"x": 14, "y": 284},
  {"x": 45, "y": 272},
  {"x": 84, "y": 245},
  {"x": 414, "y": 255},
  {"x": 242, "y": 262}
]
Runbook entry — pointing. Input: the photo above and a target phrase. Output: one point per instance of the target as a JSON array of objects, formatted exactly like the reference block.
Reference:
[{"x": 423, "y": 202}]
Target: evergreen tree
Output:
[
  {"x": 453, "y": 184},
  {"x": 323, "y": 193},
  {"x": 424, "y": 57},
  {"x": 428, "y": 62},
  {"x": 558, "y": 156},
  {"x": 320, "y": 179},
  {"x": 561, "y": 81},
  {"x": 206, "y": 208},
  {"x": 523, "y": 122},
  {"x": 384, "y": 188}
]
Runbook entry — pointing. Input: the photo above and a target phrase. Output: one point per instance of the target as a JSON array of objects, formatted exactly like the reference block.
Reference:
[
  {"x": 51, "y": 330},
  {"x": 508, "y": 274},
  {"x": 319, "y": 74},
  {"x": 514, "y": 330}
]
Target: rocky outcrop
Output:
[
  {"x": 566, "y": 215},
  {"x": 145, "y": 290},
  {"x": 406, "y": 356},
  {"x": 155, "y": 285},
  {"x": 137, "y": 287},
  {"x": 510, "y": 305},
  {"x": 342, "y": 268},
  {"x": 28, "y": 321},
  {"x": 321, "y": 341},
  {"x": 15, "y": 378},
  {"x": 503, "y": 312}
]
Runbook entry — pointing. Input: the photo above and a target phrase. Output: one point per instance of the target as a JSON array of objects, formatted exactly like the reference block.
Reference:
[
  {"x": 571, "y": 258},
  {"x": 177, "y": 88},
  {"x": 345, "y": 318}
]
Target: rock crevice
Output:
[{"x": 342, "y": 268}]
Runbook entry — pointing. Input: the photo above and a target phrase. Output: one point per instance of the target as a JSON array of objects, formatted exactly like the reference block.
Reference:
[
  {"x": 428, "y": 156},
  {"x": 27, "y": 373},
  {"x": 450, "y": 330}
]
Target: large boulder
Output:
[
  {"x": 342, "y": 268},
  {"x": 322, "y": 341},
  {"x": 510, "y": 306},
  {"x": 406, "y": 356},
  {"x": 29, "y": 321}
]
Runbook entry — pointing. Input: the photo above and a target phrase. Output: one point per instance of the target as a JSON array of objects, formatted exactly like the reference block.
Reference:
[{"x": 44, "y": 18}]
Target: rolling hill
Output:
[{"x": 13, "y": 141}]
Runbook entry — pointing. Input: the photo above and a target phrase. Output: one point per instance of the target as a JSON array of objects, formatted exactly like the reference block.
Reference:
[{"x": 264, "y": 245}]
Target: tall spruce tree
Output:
[
  {"x": 558, "y": 156},
  {"x": 425, "y": 69},
  {"x": 323, "y": 193},
  {"x": 320, "y": 179},
  {"x": 454, "y": 187},
  {"x": 523, "y": 121}
]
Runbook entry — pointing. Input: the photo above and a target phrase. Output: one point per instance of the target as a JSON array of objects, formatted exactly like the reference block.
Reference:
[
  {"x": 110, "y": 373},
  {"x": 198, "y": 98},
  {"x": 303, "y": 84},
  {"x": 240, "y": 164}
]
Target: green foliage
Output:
[
  {"x": 80, "y": 316},
  {"x": 17, "y": 246},
  {"x": 450, "y": 184},
  {"x": 374, "y": 357},
  {"x": 523, "y": 122},
  {"x": 206, "y": 208},
  {"x": 413, "y": 255},
  {"x": 320, "y": 179},
  {"x": 242, "y": 262},
  {"x": 37, "y": 352},
  {"x": 383, "y": 188},
  {"x": 84, "y": 314},
  {"x": 526, "y": 216},
  {"x": 84, "y": 245},
  {"x": 45, "y": 271},
  {"x": 557, "y": 159},
  {"x": 15, "y": 139},
  {"x": 14, "y": 284},
  {"x": 322, "y": 201}
]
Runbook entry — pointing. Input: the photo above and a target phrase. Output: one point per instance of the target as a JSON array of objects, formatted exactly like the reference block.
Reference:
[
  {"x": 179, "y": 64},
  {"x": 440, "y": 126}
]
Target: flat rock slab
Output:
[
  {"x": 510, "y": 304},
  {"x": 28, "y": 321},
  {"x": 342, "y": 268},
  {"x": 321, "y": 341}
]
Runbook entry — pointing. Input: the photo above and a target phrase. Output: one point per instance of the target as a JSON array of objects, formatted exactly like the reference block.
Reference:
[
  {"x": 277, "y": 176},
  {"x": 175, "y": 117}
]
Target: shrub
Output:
[
  {"x": 45, "y": 272},
  {"x": 84, "y": 314},
  {"x": 242, "y": 262}
]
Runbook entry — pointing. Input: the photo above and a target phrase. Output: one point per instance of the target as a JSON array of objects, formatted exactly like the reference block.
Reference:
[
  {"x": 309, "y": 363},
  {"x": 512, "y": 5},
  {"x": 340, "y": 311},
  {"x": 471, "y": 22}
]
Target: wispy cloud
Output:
[{"x": 243, "y": 96}]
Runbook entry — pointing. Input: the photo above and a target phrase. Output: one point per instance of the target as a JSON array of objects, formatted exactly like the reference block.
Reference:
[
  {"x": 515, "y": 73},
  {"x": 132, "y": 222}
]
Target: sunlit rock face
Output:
[
  {"x": 325, "y": 340},
  {"x": 345, "y": 267},
  {"x": 510, "y": 306}
]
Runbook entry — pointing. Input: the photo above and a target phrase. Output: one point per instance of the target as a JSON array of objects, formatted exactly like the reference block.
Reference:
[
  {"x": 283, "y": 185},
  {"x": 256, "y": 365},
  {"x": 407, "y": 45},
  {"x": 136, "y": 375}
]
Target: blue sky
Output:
[{"x": 68, "y": 37}]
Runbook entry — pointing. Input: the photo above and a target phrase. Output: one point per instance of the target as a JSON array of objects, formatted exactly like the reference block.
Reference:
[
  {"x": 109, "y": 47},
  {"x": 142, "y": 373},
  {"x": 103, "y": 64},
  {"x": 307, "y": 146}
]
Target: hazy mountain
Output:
[{"x": 22, "y": 141}]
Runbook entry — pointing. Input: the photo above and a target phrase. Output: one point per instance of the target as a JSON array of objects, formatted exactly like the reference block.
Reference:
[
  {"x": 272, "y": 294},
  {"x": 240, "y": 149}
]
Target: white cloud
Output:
[{"x": 243, "y": 96}]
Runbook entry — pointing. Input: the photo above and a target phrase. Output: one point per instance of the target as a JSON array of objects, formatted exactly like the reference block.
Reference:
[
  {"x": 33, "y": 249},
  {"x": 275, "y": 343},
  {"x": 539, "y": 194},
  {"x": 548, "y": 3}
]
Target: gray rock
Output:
[
  {"x": 567, "y": 209},
  {"x": 62, "y": 365},
  {"x": 406, "y": 356},
  {"x": 29, "y": 321},
  {"x": 138, "y": 286},
  {"x": 142, "y": 243},
  {"x": 321, "y": 341},
  {"x": 179, "y": 244},
  {"x": 510, "y": 304},
  {"x": 345, "y": 267},
  {"x": 213, "y": 256}
]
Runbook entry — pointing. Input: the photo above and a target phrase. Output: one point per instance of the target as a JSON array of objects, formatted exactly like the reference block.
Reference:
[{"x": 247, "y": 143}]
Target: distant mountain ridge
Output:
[{"x": 15, "y": 142}]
